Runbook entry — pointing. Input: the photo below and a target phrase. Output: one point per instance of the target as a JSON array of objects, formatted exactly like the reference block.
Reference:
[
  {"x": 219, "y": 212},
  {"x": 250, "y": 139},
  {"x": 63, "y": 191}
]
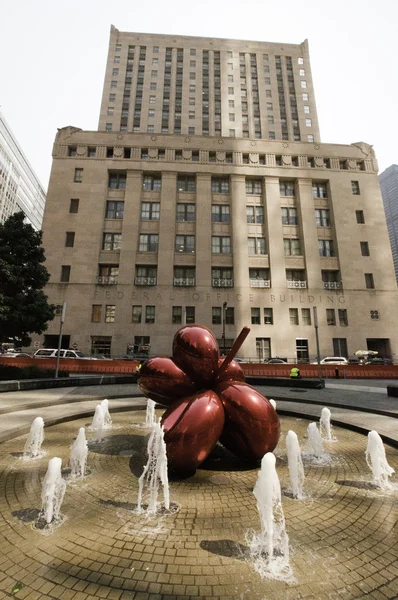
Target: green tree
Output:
[{"x": 23, "y": 305}]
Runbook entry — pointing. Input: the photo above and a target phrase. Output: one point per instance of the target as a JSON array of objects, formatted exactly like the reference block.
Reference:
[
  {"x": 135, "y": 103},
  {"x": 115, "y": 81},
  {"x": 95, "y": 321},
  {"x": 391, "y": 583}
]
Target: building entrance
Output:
[{"x": 380, "y": 345}]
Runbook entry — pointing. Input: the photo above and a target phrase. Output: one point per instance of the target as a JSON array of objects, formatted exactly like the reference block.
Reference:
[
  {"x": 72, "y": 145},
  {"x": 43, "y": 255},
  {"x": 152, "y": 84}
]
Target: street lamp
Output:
[
  {"x": 318, "y": 352},
  {"x": 224, "y": 310},
  {"x": 60, "y": 338}
]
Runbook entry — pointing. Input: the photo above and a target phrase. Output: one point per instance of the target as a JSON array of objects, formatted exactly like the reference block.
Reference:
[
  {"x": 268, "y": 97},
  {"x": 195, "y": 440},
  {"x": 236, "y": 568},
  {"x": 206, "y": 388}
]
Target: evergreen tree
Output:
[{"x": 23, "y": 305}]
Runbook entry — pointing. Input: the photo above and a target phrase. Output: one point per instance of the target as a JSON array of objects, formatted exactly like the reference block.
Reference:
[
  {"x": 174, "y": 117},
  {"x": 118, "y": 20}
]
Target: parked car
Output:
[
  {"x": 53, "y": 353},
  {"x": 378, "y": 360},
  {"x": 16, "y": 355},
  {"x": 334, "y": 360},
  {"x": 276, "y": 361}
]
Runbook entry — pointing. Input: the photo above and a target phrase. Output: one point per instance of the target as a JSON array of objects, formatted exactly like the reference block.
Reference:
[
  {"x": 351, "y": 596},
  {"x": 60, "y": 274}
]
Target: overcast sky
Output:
[{"x": 53, "y": 56}]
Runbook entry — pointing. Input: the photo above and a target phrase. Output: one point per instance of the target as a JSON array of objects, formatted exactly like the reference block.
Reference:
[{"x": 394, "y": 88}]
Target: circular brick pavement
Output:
[{"x": 342, "y": 535}]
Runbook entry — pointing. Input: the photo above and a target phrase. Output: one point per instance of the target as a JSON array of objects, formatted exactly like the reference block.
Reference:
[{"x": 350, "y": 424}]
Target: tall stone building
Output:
[
  {"x": 20, "y": 189},
  {"x": 147, "y": 229},
  {"x": 389, "y": 190}
]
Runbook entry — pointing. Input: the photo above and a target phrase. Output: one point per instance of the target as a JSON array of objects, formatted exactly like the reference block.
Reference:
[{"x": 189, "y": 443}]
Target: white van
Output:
[{"x": 53, "y": 353}]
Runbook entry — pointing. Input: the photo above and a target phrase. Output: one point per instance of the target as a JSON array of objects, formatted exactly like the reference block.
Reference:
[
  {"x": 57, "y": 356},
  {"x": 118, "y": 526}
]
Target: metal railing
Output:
[
  {"x": 184, "y": 281},
  {"x": 260, "y": 283},
  {"x": 223, "y": 283},
  {"x": 145, "y": 281},
  {"x": 332, "y": 285},
  {"x": 108, "y": 279},
  {"x": 296, "y": 284}
]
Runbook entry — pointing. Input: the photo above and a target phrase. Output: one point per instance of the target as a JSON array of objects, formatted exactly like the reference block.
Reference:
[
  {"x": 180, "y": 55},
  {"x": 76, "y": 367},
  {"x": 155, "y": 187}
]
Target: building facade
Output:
[
  {"x": 389, "y": 190},
  {"x": 207, "y": 86},
  {"x": 144, "y": 233},
  {"x": 20, "y": 188}
]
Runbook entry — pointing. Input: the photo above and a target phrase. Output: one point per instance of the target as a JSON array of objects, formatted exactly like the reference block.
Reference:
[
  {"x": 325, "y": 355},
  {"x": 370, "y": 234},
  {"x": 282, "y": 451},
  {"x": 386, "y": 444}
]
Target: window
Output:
[
  {"x": 310, "y": 138},
  {"x": 191, "y": 130},
  {"x": 192, "y": 75},
  {"x": 78, "y": 176},
  {"x": 331, "y": 316},
  {"x": 322, "y": 217},
  {"x": 343, "y": 318},
  {"x": 192, "y": 89},
  {"x": 191, "y": 114},
  {"x": 268, "y": 316},
  {"x": 145, "y": 275},
  {"x": 91, "y": 151},
  {"x": 186, "y": 183},
  {"x": 222, "y": 277},
  {"x": 319, "y": 190},
  {"x": 305, "y": 97},
  {"x": 117, "y": 181},
  {"x": 230, "y": 316},
  {"x": 114, "y": 210},
  {"x": 220, "y": 244},
  {"x": 154, "y": 74},
  {"x": 185, "y": 243},
  {"x": 70, "y": 239},
  {"x": 255, "y": 316},
  {"x": 374, "y": 315},
  {"x": 108, "y": 274},
  {"x": 269, "y": 106},
  {"x": 232, "y": 116},
  {"x": 270, "y": 119},
  {"x": 116, "y": 59},
  {"x": 150, "y": 211},
  {"x": 65, "y": 273},
  {"x": 232, "y": 133},
  {"x": 72, "y": 151},
  {"x": 300, "y": 61},
  {"x": 292, "y": 247},
  {"x": 108, "y": 126},
  {"x": 340, "y": 347},
  {"x": 151, "y": 113},
  {"x": 308, "y": 122},
  {"x": 176, "y": 315},
  {"x": 152, "y": 183},
  {"x": 254, "y": 214},
  {"x": 148, "y": 242},
  {"x": 96, "y": 313},
  {"x": 110, "y": 111},
  {"x": 303, "y": 84},
  {"x": 111, "y": 241},
  {"x": 155, "y": 61},
  {"x": 110, "y": 313},
  {"x": 271, "y": 135},
  {"x": 306, "y": 109},
  {"x": 263, "y": 348},
  {"x": 220, "y": 185},
  {"x": 186, "y": 212},
  {"x": 230, "y": 78},
  {"x": 74, "y": 205},
  {"x": 113, "y": 84},
  {"x": 355, "y": 188},
  {"x": 230, "y": 91},
  {"x": 359, "y": 216},
  {"x": 150, "y": 314},
  {"x": 115, "y": 72},
  {"x": 256, "y": 245},
  {"x": 155, "y": 50},
  {"x": 289, "y": 216},
  {"x": 153, "y": 86},
  {"x": 184, "y": 276},
  {"x": 152, "y": 100},
  {"x": 326, "y": 248},
  {"x": 369, "y": 281},
  {"x": 286, "y": 188},
  {"x": 220, "y": 213},
  {"x": 216, "y": 315},
  {"x": 254, "y": 186},
  {"x": 305, "y": 316},
  {"x": 302, "y": 72},
  {"x": 365, "y": 248},
  {"x": 231, "y": 103},
  {"x": 293, "y": 316},
  {"x": 189, "y": 314}
]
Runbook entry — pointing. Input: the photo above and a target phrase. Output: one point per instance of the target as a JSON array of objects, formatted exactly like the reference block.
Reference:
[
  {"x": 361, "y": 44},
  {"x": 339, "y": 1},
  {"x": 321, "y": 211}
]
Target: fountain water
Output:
[
  {"x": 155, "y": 471},
  {"x": 377, "y": 461},
  {"x": 273, "y": 403},
  {"x": 53, "y": 490},
  {"x": 35, "y": 438},
  {"x": 78, "y": 455},
  {"x": 150, "y": 418},
  {"x": 325, "y": 426},
  {"x": 98, "y": 421},
  {"x": 315, "y": 440},
  {"x": 107, "y": 416},
  {"x": 270, "y": 548},
  {"x": 295, "y": 464}
]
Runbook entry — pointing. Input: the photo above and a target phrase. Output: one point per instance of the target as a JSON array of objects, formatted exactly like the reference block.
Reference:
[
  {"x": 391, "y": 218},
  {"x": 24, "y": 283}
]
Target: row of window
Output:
[{"x": 268, "y": 316}]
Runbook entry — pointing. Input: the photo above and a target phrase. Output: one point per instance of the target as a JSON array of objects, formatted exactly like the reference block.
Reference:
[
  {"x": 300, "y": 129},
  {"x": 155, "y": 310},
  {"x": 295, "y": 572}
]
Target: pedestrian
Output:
[{"x": 295, "y": 373}]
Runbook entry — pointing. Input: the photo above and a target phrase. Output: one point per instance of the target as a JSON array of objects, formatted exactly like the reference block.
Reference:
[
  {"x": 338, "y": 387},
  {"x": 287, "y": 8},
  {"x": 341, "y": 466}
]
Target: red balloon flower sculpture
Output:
[{"x": 208, "y": 400}]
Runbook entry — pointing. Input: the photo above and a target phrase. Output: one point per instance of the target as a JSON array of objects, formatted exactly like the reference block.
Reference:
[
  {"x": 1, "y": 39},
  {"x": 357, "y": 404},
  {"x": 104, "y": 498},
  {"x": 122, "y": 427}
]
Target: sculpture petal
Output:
[
  {"x": 252, "y": 426},
  {"x": 195, "y": 350},
  {"x": 192, "y": 427},
  {"x": 234, "y": 372},
  {"x": 163, "y": 381}
]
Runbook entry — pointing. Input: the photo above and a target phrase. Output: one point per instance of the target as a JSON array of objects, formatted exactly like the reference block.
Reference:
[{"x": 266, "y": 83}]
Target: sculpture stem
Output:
[{"x": 232, "y": 353}]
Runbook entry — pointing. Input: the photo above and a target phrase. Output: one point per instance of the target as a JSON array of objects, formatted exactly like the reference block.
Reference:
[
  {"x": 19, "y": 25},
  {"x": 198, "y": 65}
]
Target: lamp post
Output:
[
  {"x": 224, "y": 310},
  {"x": 318, "y": 353},
  {"x": 60, "y": 338}
]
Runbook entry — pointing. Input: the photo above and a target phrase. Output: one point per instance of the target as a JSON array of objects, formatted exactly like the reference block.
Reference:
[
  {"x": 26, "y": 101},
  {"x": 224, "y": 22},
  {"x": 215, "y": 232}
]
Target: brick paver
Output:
[{"x": 342, "y": 535}]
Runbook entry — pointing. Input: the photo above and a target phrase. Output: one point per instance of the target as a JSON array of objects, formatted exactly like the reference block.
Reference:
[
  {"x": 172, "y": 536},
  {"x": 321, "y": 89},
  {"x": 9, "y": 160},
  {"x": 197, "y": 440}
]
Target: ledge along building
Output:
[{"x": 206, "y": 197}]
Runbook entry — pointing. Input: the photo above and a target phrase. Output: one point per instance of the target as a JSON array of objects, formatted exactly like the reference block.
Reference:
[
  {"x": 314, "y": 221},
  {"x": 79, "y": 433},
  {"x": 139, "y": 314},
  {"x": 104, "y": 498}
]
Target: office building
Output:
[
  {"x": 146, "y": 231},
  {"x": 20, "y": 188},
  {"x": 389, "y": 191}
]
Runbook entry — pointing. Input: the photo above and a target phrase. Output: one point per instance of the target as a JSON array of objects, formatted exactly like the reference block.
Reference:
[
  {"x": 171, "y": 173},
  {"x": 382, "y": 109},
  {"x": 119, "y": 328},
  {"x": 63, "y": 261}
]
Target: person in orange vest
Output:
[{"x": 295, "y": 373}]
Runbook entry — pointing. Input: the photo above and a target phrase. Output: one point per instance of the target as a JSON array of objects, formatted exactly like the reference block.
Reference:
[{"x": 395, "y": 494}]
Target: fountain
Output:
[
  {"x": 53, "y": 490},
  {"x": 272, "y": 401},
  {"x": 150, "y": 413},
  {"x": 325, "y": 426},
  {"x": 78, "y": 455},
  {"x": 35, "y": 439},
  {"x": 315, "y": 440},
  {"x": 377, "y": 461},
  {"x": 98, "y": 421},
  {"x": 107, "y": 416},
  {"x": 270, "y": 549},
  {"x": 155, "y": 471},
  {"x": 295, "y": 464}
]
